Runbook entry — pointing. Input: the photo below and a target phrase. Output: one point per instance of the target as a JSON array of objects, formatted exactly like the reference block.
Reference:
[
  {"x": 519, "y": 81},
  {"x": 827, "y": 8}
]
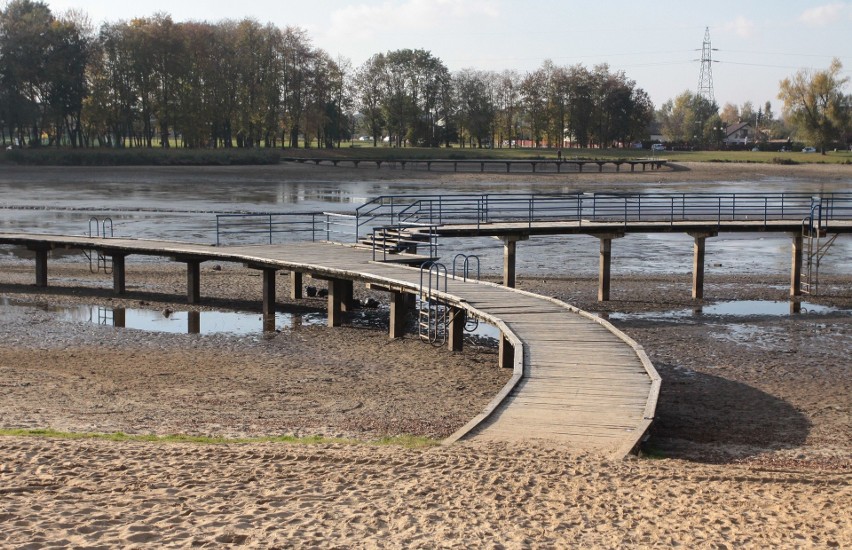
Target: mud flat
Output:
[{"x": 752, "y": 446}]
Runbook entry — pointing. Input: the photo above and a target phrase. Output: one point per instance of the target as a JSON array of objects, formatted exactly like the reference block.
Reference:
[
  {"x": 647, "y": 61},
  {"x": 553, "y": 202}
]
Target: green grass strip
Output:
[{"x": 407, "y": 441}]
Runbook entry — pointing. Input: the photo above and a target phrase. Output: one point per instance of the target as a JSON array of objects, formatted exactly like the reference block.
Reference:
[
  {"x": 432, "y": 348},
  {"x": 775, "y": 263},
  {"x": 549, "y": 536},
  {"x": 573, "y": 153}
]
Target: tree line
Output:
[{"x": 148, "y": 81}]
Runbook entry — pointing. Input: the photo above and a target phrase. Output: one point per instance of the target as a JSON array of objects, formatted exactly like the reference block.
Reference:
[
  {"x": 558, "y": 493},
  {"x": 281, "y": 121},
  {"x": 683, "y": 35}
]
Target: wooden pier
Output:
[
  {"x": 576, "y": 379},
  {"x": 513, "y": 232},
  {"x": 491, "y": 165}
]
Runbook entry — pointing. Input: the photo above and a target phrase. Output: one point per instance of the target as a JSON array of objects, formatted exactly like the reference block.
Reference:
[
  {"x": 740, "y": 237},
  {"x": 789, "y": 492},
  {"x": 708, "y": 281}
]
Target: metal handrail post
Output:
[
  {"x": 269, "y": 217},
  {"x": 384, "y": 244},
  {"x": 765, "y": 211},
  {"x": 217, "y": 229},
  {"x": 531, "y": 210},
  {"x": 487, "y": 208},
  {"x": 671, "y": 214}
]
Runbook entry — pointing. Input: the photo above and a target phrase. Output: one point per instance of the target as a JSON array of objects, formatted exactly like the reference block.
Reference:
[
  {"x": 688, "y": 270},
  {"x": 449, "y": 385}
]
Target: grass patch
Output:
[
  {"x": 407, "y": 441},
  {"x": 650, "y": 452},
  {"x": 784, "y": 160}
]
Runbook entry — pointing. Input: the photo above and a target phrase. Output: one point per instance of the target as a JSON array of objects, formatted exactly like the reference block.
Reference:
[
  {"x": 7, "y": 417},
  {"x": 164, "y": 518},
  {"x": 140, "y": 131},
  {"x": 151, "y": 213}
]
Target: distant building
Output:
[{"x": 739, "y": 134}]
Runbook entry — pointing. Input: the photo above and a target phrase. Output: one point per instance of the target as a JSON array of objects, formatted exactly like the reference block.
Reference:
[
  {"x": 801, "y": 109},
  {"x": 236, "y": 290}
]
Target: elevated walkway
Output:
[
  {"x": 576, "y": 379},
  {"x": 514, "y": 217}
]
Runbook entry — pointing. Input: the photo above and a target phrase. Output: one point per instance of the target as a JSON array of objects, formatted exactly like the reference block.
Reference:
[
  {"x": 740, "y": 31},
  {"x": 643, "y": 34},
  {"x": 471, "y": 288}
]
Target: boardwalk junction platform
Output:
[{"x": 576, "y": 379}]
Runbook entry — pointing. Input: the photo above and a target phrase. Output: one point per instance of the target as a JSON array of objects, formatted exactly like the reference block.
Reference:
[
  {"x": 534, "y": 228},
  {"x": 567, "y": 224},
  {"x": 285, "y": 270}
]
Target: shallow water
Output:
[
  {"x": 736, "y": 308},
  {"x": 235, "y": 323},
  {"x": 182, "y": 208}
]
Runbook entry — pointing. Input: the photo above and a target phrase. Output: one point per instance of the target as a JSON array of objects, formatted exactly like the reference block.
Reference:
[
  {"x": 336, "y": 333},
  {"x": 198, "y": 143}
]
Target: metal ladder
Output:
[
  {"x": 97, "y": 260},
  {"x": 432, "y": 310},
  {"x": 817, "y": 243},
  {"x": 471, "y": 323}
]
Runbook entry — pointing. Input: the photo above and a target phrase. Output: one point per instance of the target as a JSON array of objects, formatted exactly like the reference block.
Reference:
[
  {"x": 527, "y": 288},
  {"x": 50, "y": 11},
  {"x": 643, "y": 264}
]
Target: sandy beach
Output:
[{"x": 752, "y": 445}]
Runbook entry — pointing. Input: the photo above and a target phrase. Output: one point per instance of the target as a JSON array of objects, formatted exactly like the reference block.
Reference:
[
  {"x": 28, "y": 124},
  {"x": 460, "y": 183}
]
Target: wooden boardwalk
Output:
[
  {"x": 550, "y": 165},
  {"x": 576, "y": 379}
]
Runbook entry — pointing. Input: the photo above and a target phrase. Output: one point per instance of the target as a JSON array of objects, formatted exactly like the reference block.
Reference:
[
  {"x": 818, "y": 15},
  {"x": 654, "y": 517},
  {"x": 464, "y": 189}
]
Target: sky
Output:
[{"x": 656, "y": 43}]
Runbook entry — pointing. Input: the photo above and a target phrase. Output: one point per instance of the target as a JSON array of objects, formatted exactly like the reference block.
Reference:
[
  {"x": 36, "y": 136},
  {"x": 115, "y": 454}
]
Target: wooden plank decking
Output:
[{"x": 577, "y": 380}]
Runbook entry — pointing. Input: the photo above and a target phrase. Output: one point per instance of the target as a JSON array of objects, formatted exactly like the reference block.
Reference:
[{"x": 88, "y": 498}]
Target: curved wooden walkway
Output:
[{"x": 576, "y": 380}]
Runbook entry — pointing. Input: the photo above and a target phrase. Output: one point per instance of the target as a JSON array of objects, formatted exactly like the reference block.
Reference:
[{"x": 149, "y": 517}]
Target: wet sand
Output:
[{"x": 752, "y": 446}]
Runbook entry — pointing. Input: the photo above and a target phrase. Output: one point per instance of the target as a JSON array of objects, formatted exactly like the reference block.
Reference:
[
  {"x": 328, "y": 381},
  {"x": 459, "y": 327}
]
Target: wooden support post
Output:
[
  {"x": 295, "y": 285},
  {"x": 347, "y": 300},
  {"x": 455, "y": 340},
  {"x": 268, "y": 291},
  {"x": 193, "y": 281},
  {"x": 506, "y": 354},
  {"x": 796, "y": 270},
  {"x": 509, "y": 258},
  {"x": 193, "y": 322},
  {"x": 335, "y": 302},
  {"x": 698, "y": 268},
  {"x": 119, "y": 286},
  {"x": 605, "y": 268},
  {"x": 698, "y": 254},
  {"x": 399, "y": 308},
  {"x": 41, "y": 267}
]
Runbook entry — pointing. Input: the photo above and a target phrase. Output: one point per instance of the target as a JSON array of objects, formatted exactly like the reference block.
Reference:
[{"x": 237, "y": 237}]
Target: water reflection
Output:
[
  {"x": 190, "y": 322},
  {"x": 228, "y": 322},
  {"x": 738, "y": 308}
]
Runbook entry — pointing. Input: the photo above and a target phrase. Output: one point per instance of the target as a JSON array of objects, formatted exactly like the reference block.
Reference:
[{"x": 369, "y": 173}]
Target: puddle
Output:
[
  {"x": 224, "y": 322},
  {"x": 739, "y": 308}
]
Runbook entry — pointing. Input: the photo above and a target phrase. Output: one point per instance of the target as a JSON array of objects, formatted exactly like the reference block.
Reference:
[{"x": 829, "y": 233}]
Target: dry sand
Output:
[{"x": 752, "y": 446}]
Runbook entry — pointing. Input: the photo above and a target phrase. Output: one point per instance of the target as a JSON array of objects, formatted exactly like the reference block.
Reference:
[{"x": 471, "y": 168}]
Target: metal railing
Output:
[
  {"x": 602, "y": 207},
  {"x": 404, "y": 237},
  {"x": 269, "y": 227},
  {"x": 376, "y": 218}
]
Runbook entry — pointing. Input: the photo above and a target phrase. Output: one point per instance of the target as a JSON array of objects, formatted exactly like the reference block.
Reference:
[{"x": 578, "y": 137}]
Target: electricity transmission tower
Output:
[{"x": 705, "y": 79}]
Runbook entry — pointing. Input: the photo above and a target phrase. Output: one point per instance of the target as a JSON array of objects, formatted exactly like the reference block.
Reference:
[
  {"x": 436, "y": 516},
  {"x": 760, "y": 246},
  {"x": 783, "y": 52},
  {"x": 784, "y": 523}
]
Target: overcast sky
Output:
[{"x": 656, "y": 42}]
